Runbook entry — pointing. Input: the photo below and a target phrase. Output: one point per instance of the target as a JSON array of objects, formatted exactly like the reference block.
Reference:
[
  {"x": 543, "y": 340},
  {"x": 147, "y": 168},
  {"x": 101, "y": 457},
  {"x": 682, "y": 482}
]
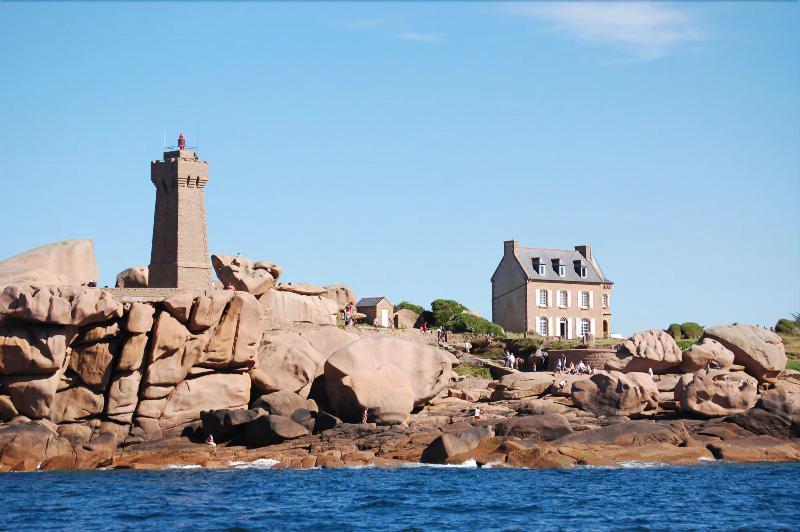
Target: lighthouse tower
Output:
[{"x": 179, "y": 256}]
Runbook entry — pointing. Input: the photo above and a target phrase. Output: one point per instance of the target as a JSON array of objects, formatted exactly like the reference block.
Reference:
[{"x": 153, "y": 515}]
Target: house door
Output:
[
  {"x": 384, "y": 317},
  {"x": 605, "y": 328},
  {"x": 562, "y": 327}
]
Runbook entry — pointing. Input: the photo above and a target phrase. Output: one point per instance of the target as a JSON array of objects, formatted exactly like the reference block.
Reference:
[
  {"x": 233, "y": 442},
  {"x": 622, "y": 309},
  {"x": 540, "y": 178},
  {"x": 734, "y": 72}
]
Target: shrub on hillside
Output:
[
  {"x": 691, "y": 331},
  {"x": 686, "y": 344},
  {"x": 445, "y": 310},
  {"x": 409, "y": 306},
  {"x": 674, "y": 330},
  {"x": 525, "y": 346},
  {"x": 785, "y": 326},
  {"x": 473, "y": 324}
]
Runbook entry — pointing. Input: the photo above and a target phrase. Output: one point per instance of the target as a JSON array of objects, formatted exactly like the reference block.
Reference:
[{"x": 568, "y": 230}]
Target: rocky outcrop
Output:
[
  {"x": 447, "y": 446},
  {"x": 653, "y": 349},
  {"x": 341, "y": 293},
  {"x": 290, "y": 307},
  {"x": 760, "y": 351},
  {"x": 69, "y": 262},
  {"x": 777, "y": 413},
  {"x": 405, "y": 318},
  {"x": 615, "y": 394},
  {"x": 58, "y": 305},
  {"x": 701, "y": 354},
  {"x": 716, "y": 392},
  {"x": 133, "y": 277},
  {"x": 245, "y": 275},
  {"x": 304, "y": 289},
  {"x": 386, "y": 377}
]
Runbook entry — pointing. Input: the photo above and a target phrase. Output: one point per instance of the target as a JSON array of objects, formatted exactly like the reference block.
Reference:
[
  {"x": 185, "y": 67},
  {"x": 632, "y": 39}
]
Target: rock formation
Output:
[
  {"x": 245, "y": 275},
  {"x": 615, "y": 394},
  {"x": 716, "y": 392},
  {"x": 341, "y": 293},
  {"x": 653, "y": 349},
  {"x": 699, "y": 355},
  {"x": 133, "y": 277},
  {"x": 69, "y": 262},
  {"x": 760, "y": 351}
]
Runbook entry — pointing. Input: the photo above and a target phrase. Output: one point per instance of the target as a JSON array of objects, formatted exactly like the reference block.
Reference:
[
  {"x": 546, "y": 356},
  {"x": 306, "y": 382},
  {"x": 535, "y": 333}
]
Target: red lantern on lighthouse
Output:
[{"x": 181, "y": 143}]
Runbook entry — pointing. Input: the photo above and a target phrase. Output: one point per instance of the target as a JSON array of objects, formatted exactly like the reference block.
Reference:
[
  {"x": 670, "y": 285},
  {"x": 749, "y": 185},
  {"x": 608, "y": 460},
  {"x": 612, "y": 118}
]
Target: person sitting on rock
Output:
[
  {"x": 570, "y": 368},
  {"x": 476, "y": 412},
  {"x": 210, "y": 442}
]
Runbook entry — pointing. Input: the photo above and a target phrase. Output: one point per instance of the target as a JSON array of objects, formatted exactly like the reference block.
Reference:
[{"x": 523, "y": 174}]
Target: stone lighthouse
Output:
[{"x": 179, "y": 256}]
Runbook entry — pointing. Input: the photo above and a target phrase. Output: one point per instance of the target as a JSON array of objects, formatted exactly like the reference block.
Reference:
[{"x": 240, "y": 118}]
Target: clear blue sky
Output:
[{"x": 394, "y": 147}]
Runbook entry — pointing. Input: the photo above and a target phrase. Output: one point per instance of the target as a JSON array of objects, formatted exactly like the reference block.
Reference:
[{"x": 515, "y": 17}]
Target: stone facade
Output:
[
  {"x": 378, "y": 311},
  {"x": 179, "y": 256},
  {"x": 551, "y": 292}
]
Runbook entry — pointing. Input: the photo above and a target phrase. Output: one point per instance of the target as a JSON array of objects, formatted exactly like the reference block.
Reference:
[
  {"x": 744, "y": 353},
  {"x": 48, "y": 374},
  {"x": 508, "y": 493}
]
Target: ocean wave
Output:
[
  {"x": 636, "y": 464},
  {"x": 261, "y": 463},
  {"x": 468, "y": 464},
  {"x": 183, "y": 466}
]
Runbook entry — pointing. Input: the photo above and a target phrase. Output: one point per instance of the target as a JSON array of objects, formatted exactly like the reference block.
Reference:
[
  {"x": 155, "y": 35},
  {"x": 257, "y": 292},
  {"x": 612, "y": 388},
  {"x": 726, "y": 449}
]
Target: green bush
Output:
[
  {"x": 474, "y": 324},
  {"x": 427, "y": 317},
  {"x": 445, "y": 310},
  {"x": 410, "y": 306},
  {"x": 785, "y": 326},
  {"x": 793, "y": 364},
  {"x": 472, "y": 371},
  {"x": 524, "y": 346},
  {"x": 674, "y": 330},
  {"x": 685, "y": 344},
  {"x": 691, "y": 330},
  {"x": 494, "y": 353}
]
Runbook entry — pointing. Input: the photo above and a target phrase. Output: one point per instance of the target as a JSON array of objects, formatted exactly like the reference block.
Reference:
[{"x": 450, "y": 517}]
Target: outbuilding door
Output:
[{"x": 384, "y": 317}]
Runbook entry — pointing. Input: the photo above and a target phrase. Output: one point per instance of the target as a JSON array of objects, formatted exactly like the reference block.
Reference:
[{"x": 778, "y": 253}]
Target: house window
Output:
[
  {"x": 562, "y": 298},
  {"x": 585, "y": 327},
  {"x": 584, "y": 299},
  {"x": 583, "y": 272},
  {"x": 605, "y": 300},
  {"x": 543, "y": 326},
  {"x": 541, "y": 269},
  {"x": 543, "y": 298},
  {"x": 562, "y": 271}
]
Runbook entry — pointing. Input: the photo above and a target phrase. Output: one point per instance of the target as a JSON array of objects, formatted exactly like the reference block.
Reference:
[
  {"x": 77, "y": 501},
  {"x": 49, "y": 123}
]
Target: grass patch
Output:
[
  {"x": 686, "y": 344},
  {"x": 793, "y": 364},
  {"x": 792, "y": 344},
  {"x": 472, "y": 371},
  {"x": 493, "y": 353}
]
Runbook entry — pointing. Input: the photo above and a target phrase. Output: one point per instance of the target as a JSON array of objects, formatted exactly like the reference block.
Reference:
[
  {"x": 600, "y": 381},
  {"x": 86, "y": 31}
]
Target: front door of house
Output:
[
  {"x": 562, "y": 329},
  {"x": 384, "y": 317}
]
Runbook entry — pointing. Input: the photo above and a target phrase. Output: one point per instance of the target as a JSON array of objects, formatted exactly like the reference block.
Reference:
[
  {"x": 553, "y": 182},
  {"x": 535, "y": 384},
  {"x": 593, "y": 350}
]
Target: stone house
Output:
[
  {"x": 552, "y": 292},
  {"x": 377, "y": 309}
]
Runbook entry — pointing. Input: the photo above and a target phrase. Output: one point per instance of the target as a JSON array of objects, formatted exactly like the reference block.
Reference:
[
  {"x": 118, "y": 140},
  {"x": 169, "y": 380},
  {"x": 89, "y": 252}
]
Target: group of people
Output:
[
  {"x": 510, "y": 361},
  {"x": 570, "y": 368},
  {"x": 442, "y": 335},
  {"x": 347, "y": 313}
]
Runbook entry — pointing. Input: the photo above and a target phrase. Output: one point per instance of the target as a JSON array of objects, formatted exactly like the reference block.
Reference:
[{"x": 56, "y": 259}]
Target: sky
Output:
[{"x": 395, "y": 146}]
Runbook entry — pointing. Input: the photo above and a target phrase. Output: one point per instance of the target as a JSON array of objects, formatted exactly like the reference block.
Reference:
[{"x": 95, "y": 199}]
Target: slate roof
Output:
[
  {"x": 369, "y": 301},
  {"x": 571, "y": 259}
]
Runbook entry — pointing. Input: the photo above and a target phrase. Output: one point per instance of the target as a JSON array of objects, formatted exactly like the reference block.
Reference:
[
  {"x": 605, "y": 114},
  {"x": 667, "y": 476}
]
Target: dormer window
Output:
[
  {"x": 541, "y": 269},
  {"x": 562, "y": 270},
  {"x": 583, "y": 272}
]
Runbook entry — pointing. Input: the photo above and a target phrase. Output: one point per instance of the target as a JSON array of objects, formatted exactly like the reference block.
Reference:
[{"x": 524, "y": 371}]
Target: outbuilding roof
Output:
[{"x": 370, "y": 301}]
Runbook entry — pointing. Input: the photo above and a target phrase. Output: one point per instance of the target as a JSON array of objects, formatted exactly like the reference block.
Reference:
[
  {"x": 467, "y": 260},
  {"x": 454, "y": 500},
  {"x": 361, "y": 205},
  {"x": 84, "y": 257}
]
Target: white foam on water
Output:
[
  {"x": 179, "y": 466},
  {"x": 636, "y": 464},
  {"x": 491, "y": 465},
  {"x": 706, "y": 459},
  {"x": 261, "y": 463},
  {"x": 468, "y": 464}
]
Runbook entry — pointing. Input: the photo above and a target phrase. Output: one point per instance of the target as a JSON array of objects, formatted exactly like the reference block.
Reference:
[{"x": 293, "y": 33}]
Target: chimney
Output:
[
  {"x": 585, "y": 250},
  {"x": 510, "y": 247}
]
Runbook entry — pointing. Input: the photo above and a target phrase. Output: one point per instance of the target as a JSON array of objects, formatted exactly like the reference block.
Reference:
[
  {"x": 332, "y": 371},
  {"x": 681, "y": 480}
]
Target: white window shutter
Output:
[
  {"x": 591, "y": 326},
  {"x": 537, "y": 302},
  {"x": 591, "y": 299},
  {"x": 569, "y": 298},
  {"x": 549, "y": 326},
  {"x": 549, "y": 298},
  {"x": 569, "y": 329},
  {"x": 577, "y": 327}
]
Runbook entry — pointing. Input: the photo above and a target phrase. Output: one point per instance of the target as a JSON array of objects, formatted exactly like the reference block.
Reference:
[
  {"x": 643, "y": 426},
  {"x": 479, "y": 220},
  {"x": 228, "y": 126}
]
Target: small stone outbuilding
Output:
[{"x": 377, "y": 309}]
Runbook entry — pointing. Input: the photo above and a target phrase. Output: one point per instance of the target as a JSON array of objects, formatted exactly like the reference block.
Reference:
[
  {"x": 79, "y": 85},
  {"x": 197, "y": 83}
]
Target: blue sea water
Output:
[{"x": 717, "y": 497}]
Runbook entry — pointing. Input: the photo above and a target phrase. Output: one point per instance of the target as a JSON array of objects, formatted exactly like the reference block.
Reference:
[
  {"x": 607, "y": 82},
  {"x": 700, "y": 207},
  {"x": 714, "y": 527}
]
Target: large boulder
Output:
[
  {"x": 545, "y": 427},
  {"x": 286, "y": 361},
  {"x": 270, "y": 429},
  {"x": 30, "y": 348},
  {"x": 615, "y": 394},
  {"x": 777, "y": 413},
  {"x": 519, "y": 385},
  {"x": 32, "y": 395},
  {"x": 405, "y": 318},
  {"x": 759, "y": 350},
  {"x": 215, "y": 391},
  {"x": 133, "y": 277},
  {"x": 60, "y": 305},
  {"x": 341, "y": 293},
  {"x": 327, "y": 340},
  {"x": 31, "y": 441},
  {"x": 452, "y": 444},
  {"x": 226, "y": 424},
  {"x": 69, "y": 262},
  {"x": 653, "y": 349},
  {"x": 75, "y": 402},
  {"x": 304, "y": 289},
  {"x": 386, "y": 377},
  {"x": 290, "y": 307},
  {"x": 284, "y": 403},
  {"x": 699, "y": 355},
  {"x": 244, "y": 274},
  {"x": 716, "y": 392},
  {"x": 630, "y": 433}
]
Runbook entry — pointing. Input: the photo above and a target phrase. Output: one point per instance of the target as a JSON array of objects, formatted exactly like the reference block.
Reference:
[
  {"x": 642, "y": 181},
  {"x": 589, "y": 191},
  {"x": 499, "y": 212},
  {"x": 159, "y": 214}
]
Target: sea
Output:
[{"x": 254, "y": 497}]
